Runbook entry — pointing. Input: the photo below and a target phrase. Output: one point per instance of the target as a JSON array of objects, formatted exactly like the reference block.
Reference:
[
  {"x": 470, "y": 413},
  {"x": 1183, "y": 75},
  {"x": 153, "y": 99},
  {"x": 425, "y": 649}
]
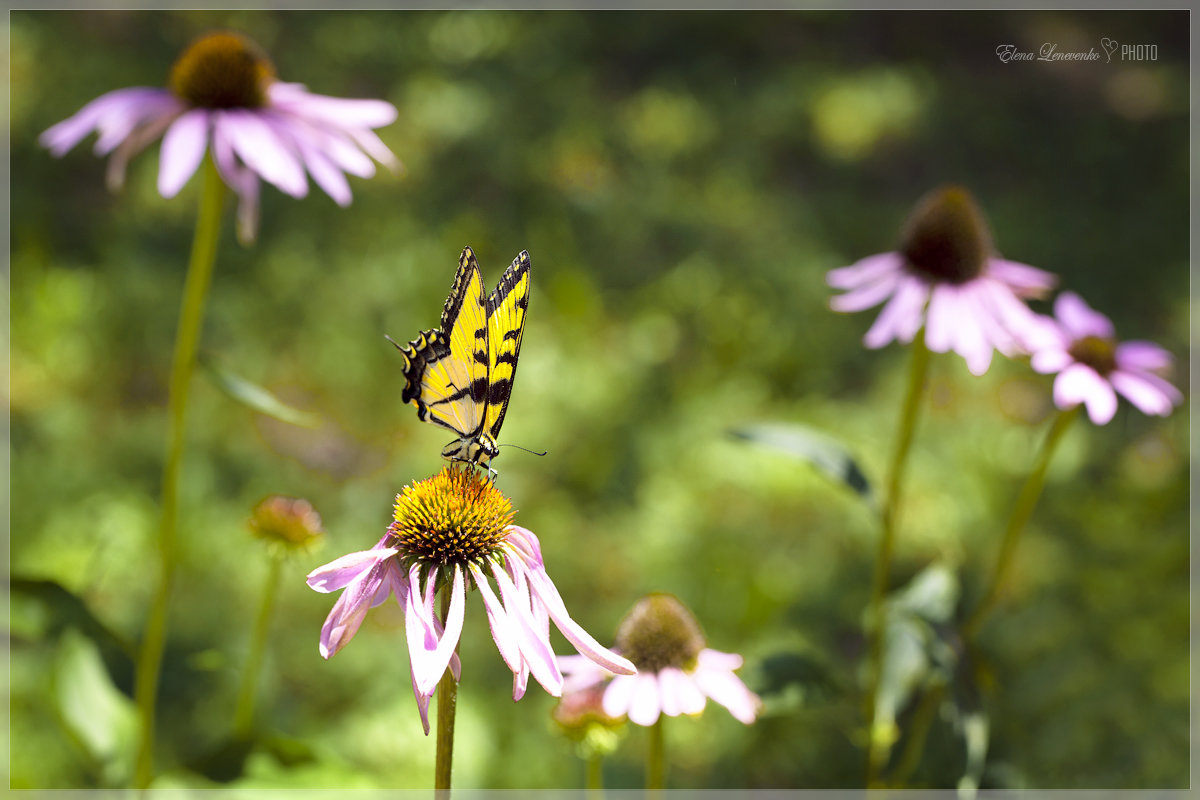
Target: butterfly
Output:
[{"x": 461, "y": 375}]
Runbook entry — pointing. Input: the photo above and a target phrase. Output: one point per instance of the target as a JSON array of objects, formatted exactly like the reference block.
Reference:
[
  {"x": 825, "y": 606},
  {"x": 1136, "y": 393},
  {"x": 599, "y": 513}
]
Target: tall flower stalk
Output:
[
  {"x": 446, "y": 711},
  {"x": 880, "y": 741},
  {"x": 183, "y": 362}
]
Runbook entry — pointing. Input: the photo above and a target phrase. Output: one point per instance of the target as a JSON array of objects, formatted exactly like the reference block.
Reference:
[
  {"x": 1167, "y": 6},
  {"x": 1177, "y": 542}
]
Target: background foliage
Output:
[{"x": 682, "y": 182}]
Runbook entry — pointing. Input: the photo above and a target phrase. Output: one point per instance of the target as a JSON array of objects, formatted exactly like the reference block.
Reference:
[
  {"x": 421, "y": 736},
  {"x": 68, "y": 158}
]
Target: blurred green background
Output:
[{"x": 682, "y": 182}]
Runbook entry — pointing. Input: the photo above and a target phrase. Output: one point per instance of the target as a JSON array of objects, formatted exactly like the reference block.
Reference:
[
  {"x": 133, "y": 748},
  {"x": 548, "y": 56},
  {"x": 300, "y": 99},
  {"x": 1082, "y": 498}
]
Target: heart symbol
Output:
[{"x": 1110, "y": 46}]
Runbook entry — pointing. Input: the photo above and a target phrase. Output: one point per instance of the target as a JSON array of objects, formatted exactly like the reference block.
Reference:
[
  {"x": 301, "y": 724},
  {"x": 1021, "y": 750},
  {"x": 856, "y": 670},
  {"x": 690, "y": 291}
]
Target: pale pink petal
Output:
[
  {"x": 866, "y": 296},
  {"x": 258, "y": 145},
  {"x": 1150, "y": 393},
  {"x": 526, "y": 544},
  {"x": 335, "y": 111},
  {"x": 536, "y": 650},
  {"x": 348, "y": 612},
  {"x": 326, "y": 175},
  {"x": 375, "y": 148},
  {"x": 520, "y": 683},
  {"x": 337, "y": 574},
  {"x": 1050, "y": 360},
  {"x": 1078, "y": 318},
  {"x": 183, "y": 149},
  {"x": 865, "y": 271},
  {"x": 502, "y": 633},
  {"x": 134, "y": 103},
  {"x": 646, "y": 702},
  {"x": 943, "y": 317},
  {"x": 678, "y": 693},
  {"x": 1023, "y": 279},
  {"x": 902, "y": 316},
  {"x": 619, "y": 695},
  {"x": 422, "y": 701},
  {"x": 429, "y": 666},
  {"x": 577, "y": 636},
  {"x": 581, "y": 672},
  {"x": 1136, "y": 355},
  {"x": 727, "y": 689},
  {"x": 1080, "y": 383},
  {"x": 133, "y": 144},
  {"x": 116, "y": 127},
  {"x": 970, "y": 340},
  {"x": 715, "y": 659}
]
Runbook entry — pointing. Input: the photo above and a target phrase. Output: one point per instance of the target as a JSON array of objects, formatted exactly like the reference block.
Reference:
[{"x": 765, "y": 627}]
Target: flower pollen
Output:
[
  {"x": 455, "y": 517},
  {"x": 660, "y": 632},
  {"x": 223, "y": 70},
  {"x": 946, "y": 239},
  {"x": 1096, "y": 352}
]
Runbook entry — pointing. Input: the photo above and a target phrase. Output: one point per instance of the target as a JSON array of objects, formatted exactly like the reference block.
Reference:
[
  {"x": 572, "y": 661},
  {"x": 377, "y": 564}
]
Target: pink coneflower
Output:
[
  {"x": 451, "y": 531},
  {"x": 675, "y": 671},
  {"x": 1092, "y": 367},
  {"x": 224, "y": 95},
  {"x": 947, "y": 278}
]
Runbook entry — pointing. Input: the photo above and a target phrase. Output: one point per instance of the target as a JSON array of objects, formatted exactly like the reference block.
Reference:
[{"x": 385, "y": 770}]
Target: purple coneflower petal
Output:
[
  {"x": 422, "y": 701},
  {"x": 1050, "y": 360},
  {"x": 865, "y": 271},
  {"x": 1142, "y": 356},
  {"x": 119, "y": 104},
  {"x": 501, "y": 627},
  {"x": 715, "y": 659},
  {"x": 1150, "y": 393},
  {"x": 646, "y": 703},
  {"x": 131, "y": 146},
  {"x": 337, "y": 574},
  {"x": 727, "y": 689},
  {"x": 866, "y": 295},
  {"x": 1023, "y": 279},
  {"x": 114, "y": 127},
  {"x": 349, "y": 610},
  {"x": 183, "y": 149},
  {"x": 680, "y": 695},
  {"x": 581, "y": 672},
  {"x": 576, "y": 635},
  {"x": 971, "y": 339},
  {"x": 337, "y": 111},
  {"x": 375, "y": 147},
  {"x": 1079, "y": 320},
  {"x": 1079, "y": 383},
  {"x": 901, "y": 318},
  {"x": 261, "y": 149},
  {"x": 323, "y": 171},
  {"x": 536, "y": 651},
  {"x": 429, "y": 653},
  {"x": 618, "y": 695}
]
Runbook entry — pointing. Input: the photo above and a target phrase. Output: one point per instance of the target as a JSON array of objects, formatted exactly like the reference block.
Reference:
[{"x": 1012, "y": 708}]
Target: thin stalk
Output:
[
  {"x": 917, "y": 734},
  {"x": 1022, "y": 510},
  {"x": 243, "y": 715},
  {"x": 595, "y": 772},
  {"x": 878, "y": 747},
  {"x": 447, "y": 695},
  {"x": 191, "y": 316},
  {"x": 656, "y": 768}
]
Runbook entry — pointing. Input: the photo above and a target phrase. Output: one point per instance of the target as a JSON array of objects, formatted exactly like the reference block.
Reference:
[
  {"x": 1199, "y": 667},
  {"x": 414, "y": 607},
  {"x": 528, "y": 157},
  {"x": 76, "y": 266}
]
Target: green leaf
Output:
[
  {"x": 95, "y": 713},
  {"x": 812, "y": 446},
  {"x": 257, "y": 398}
]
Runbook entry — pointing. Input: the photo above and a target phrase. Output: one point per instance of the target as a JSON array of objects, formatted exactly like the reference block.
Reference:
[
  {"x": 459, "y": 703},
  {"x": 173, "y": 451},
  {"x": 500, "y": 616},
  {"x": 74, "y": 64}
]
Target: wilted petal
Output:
[
  {"x": 429, "y": 652},
  {"x": 536, "y": 651},
  {"x": 577, "y": 636}
]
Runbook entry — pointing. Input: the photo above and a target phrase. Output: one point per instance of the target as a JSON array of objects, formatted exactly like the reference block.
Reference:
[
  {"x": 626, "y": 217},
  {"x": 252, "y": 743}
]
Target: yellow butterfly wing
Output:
[
  {"x": 446, "y": 370},
  {"x": 506, "y": 308}
]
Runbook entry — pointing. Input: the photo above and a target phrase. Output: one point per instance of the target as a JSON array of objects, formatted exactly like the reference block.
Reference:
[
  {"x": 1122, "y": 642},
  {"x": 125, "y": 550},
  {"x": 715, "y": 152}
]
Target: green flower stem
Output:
[
  {"x": 879, "y": 744},
  {"x": 243, "y": 716},
  {"x": 595, "y": 772},
  {"x": 1022, "y": 510},
  {"x": 191, "y": 315},
  {"x": 655, "y": 761},
  {"x": 914, "y": 747},
  {"x": 447, "y": 704}
]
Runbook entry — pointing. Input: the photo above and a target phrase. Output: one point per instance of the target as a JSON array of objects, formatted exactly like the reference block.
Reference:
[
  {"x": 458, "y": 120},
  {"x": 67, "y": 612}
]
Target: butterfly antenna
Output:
[
  {"x": 393, "y": 341},
  {"x": 526, "y": 449}
]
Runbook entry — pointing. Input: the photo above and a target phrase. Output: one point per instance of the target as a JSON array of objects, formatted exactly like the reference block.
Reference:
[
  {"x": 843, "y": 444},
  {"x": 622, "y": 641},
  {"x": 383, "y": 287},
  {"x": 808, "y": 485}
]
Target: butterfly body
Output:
[{"x": 460, "y": 375}]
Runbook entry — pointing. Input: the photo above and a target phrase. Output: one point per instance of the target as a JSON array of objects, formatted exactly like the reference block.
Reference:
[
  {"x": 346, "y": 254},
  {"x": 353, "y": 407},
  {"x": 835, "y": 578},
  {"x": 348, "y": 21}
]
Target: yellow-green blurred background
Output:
[{"x": 682, "y": 182}]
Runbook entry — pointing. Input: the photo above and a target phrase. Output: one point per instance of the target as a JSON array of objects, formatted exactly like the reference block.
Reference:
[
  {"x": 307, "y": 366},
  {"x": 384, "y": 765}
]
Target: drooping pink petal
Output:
[
  {"x": 902, "y": 316},
  {"x": 133, "y": 144},
  {"x": 349, "y": 610},
  {"x": 1078, "y": 318},
  {"x": 1080, "y": 383},
  {"x": 619, "y": 695},
  {"x": 1141, "y": 356},
  {"x": 1023, "y": 279},
  {"x": 944, "y": 316},
  {"x": 970, "y": 339},
  {"x": 865, "y": 271},
  {"x": 183, "y": 149},
  {"x": 335, "y": 111},
  {"x": 258, "y": 145},
  {"x": 727, "y": 689},
  {"x": 867, "y": 295},
  {"x": 430, "y": 664},
  {"x": 536, "y": 651},
  {"x": 503, "y": 635},
  {"x": 375, "y": 147},
  {"x": 679, "y": 693},
  {"x": 544, "y": 588},
  {"x": 134, "y": 103},
  {"x": 1050, "y": 360},
  {"x": 422, "y": 701},
  {"x": 646, "y": 702},
  {"x": 581, "y": 672},
  {"x": 715, "y": 659},
  {"x": 1150, "y": 393},
  {"x": 337, "y": 574}
]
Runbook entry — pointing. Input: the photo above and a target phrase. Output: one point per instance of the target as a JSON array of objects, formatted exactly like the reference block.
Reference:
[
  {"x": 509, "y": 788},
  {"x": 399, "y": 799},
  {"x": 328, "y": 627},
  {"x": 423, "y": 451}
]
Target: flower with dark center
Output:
[
  {"x": 224, "y": 98},
  {"x": 450, "y": 531},
  {"x": 676, "y": 672},
  {"x": 1093, "y": 367},
  {"x": 947, "y": 278}
]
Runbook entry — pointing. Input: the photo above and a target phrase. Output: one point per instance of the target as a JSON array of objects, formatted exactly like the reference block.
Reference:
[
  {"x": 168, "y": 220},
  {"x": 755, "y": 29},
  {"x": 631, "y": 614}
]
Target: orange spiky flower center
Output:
[{"x": 457, "y": 516}]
